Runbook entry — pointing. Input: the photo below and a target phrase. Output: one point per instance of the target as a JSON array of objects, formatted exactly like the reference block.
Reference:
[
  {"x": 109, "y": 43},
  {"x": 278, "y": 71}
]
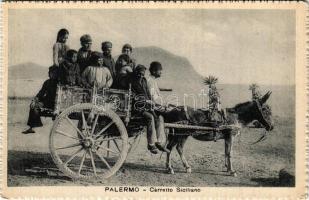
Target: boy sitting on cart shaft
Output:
[
  {"x": 142, "y": 105},
  {"x": 97, "y": 74},
  {"x": 45, "y": 99}
]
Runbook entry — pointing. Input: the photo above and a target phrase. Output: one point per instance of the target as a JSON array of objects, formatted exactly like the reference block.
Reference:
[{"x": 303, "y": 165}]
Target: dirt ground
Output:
[{"x": 30, "y": 164}]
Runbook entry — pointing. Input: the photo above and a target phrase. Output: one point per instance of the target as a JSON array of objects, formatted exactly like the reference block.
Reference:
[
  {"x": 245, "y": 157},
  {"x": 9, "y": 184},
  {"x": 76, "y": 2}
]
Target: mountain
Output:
[
  {"x": 28, "y": 71},
  {"x": 178, "y": 74},
  {"x": 177, "y": 71}
]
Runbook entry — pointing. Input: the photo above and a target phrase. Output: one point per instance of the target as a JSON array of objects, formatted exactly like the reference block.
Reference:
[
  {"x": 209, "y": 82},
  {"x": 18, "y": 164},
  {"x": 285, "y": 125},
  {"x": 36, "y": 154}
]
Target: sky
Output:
[{"x": 238, "y": 46}]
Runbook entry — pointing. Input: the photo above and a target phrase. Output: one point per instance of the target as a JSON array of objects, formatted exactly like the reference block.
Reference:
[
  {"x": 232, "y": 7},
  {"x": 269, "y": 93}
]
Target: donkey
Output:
[{"x": 241, "y": 114}]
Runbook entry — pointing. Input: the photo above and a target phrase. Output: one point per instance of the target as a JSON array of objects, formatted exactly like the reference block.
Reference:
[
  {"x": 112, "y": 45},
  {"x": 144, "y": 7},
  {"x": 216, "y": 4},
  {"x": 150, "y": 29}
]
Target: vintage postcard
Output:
[{"x": 172, "y": 100}]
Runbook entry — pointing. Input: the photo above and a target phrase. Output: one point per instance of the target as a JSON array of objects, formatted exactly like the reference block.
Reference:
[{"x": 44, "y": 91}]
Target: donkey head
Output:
[{"x": 255, "y": 110}]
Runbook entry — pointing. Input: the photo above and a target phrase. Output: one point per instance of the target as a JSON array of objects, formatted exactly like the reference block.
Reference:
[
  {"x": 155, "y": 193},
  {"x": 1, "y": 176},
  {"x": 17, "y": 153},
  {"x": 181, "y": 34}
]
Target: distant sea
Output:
[{"x": 282, "y": 99}]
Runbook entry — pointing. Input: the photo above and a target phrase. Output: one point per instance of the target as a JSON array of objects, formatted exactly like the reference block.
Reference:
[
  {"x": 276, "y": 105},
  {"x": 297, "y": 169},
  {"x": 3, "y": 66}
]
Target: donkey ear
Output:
[{"x": 265, "y": 97}]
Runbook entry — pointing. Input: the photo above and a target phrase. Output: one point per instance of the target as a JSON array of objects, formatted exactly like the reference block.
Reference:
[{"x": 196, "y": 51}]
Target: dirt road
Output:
[{"x": 29, "y": 162}]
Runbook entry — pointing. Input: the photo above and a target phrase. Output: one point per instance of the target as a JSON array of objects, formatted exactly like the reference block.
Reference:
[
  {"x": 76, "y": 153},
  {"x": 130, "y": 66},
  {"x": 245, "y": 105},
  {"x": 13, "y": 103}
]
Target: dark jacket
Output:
[
  {"x": 83, "y": 59},
  {"x": 140, "y": 94},
  {"x": 69, "y": 73},
  {"x": 109, "y": 62},
  {"x": 47, "y": 94}
]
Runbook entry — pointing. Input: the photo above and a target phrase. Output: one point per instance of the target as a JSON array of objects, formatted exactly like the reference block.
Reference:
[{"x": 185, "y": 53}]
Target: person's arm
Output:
[
  {"x": 78, "y": 77},
  {"x": 109, "y": 79},
  {"x": 40, "y": 95},
  {"x": 150, "y": 86},
  {"x": 63, "y": 74},
  {"x": 84, "y": 77},
  {"x": 133, "y": 63},
  {"x": 55, "y": 55}
]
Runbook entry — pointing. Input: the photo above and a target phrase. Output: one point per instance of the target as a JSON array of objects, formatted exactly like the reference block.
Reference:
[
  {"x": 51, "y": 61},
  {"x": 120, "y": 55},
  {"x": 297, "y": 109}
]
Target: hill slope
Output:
[{"x": 28, "y": 71}]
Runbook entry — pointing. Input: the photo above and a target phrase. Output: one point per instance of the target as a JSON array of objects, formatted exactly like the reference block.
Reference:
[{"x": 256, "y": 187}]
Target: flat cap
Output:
[
  {"x": 107, "y": 44},
  {"x": 85, "y": 38}
]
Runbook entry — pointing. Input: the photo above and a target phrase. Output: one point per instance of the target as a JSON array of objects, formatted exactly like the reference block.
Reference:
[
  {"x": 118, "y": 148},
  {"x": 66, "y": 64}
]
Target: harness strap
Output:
[
  {"x": 186, "y": 112},
  {"x": 261, "y": 111}
]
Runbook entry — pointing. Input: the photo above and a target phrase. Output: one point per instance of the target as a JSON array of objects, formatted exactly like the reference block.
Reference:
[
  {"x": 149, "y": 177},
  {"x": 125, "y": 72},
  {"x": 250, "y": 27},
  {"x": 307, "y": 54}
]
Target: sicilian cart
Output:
[{"x": 92, "y": 130}]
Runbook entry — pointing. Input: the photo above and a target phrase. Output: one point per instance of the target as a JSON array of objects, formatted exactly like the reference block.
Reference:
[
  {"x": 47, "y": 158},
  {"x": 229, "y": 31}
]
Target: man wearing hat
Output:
[
  {"x": 142, "y": 105},
  {"x": 84, "y": 53},
  {"x": 107, "y": 57}
]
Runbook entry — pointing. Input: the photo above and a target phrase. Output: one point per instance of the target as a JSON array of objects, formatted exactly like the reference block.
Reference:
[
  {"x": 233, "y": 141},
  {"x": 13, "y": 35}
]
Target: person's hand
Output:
[
  {"x": 150, "y": 102},
  {"x": 34, "y": 102}
]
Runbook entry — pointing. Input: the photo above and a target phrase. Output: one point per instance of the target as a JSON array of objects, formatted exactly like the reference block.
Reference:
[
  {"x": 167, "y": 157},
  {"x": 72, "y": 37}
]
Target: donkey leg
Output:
[
  {"x": 170, "y": 144},
  {"x": 228, "y": 154},
  {"x": 179, "y": 148}
]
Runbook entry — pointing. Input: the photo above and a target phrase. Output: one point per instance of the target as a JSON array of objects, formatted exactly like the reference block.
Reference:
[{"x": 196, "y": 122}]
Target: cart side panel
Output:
[
  {"x": 116, "y": 100},
  {"x": 69, "y": 96}
]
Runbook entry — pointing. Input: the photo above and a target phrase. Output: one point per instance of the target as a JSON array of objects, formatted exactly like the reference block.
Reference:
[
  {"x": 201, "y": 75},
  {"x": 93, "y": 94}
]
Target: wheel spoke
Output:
[
  {"x": 92, "y": 162},
  {"x": 103, "y": 160},
  {"x": 82, "y": 162},
  {"x": 73, "y": 156},
  {"x": 84, "y": 120},
  {"x": 73, "y": 125},
  {"x": 104, "y": 129},
  {"x": 107, "y": 139},
  {"x": 69, "y": 146},
  {"x": 94, "y": 125},
  {"x": 108, "y": 149},
  {"x": 65, "y": 134},
  {"x": 116, "y": 144}
]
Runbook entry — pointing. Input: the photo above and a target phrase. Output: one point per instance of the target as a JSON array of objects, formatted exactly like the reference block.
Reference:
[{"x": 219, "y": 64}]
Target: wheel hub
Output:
[{"x": 88, "y": 142}]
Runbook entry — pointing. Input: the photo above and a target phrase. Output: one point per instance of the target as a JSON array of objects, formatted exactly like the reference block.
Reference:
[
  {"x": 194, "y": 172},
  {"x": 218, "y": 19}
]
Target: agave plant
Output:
[
  {"x": 210, "y": 80},
  {"x": 256, "y": 94},
  {"x": 253, "y": 86}
]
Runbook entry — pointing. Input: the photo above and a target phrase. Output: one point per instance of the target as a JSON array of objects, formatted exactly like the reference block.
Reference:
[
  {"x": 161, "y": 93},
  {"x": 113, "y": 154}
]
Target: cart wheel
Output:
[{"x": 88, "y": 142}]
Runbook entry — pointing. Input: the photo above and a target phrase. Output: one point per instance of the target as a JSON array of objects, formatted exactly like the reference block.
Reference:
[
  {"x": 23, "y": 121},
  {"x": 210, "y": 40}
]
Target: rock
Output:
[{"x": 287, "y": 177}]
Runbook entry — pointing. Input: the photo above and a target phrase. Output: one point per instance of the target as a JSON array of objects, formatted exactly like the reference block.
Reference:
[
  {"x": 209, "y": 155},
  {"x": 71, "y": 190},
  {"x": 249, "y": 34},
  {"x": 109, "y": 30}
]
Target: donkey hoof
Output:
[
  {"x": 233, "y": 173},
  {"x": 170, "y": 171},
  {"x": 189, "y": 170}
]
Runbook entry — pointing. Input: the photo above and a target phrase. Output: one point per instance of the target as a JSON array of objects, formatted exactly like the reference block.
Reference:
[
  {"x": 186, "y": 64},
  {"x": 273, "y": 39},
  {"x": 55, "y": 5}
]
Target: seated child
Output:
[
  {"x": 69, "y": 69},
  {"x": 44, "y": 99},
  {"x": 96, "y": 74},
  {"x": 124, "y": 69}
]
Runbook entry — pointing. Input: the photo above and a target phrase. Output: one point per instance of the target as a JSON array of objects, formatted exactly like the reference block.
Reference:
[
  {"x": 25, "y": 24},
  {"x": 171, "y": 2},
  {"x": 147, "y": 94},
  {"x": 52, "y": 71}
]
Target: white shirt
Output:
[
  {"x": 154, "y": 90},
  {"x": 99, "y": 76}
]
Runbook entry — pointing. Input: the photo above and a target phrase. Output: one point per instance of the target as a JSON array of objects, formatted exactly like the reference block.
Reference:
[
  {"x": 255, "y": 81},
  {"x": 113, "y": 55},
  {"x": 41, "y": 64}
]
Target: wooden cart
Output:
[{"x": 92, "y": 129}]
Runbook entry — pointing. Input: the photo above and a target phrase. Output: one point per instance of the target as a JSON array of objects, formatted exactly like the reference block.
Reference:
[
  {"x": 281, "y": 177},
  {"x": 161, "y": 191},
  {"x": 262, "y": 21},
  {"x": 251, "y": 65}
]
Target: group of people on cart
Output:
[{"x": 87, "y": 68}]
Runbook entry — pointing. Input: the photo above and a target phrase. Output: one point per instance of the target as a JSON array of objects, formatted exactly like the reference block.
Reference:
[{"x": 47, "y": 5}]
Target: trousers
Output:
[
  {"x": 155, "y": 127},
  {"x": 34, "y": 119}
]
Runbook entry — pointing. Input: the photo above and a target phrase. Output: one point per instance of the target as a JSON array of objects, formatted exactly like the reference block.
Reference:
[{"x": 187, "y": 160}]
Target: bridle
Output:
[{"x": 258, "y": 104}]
